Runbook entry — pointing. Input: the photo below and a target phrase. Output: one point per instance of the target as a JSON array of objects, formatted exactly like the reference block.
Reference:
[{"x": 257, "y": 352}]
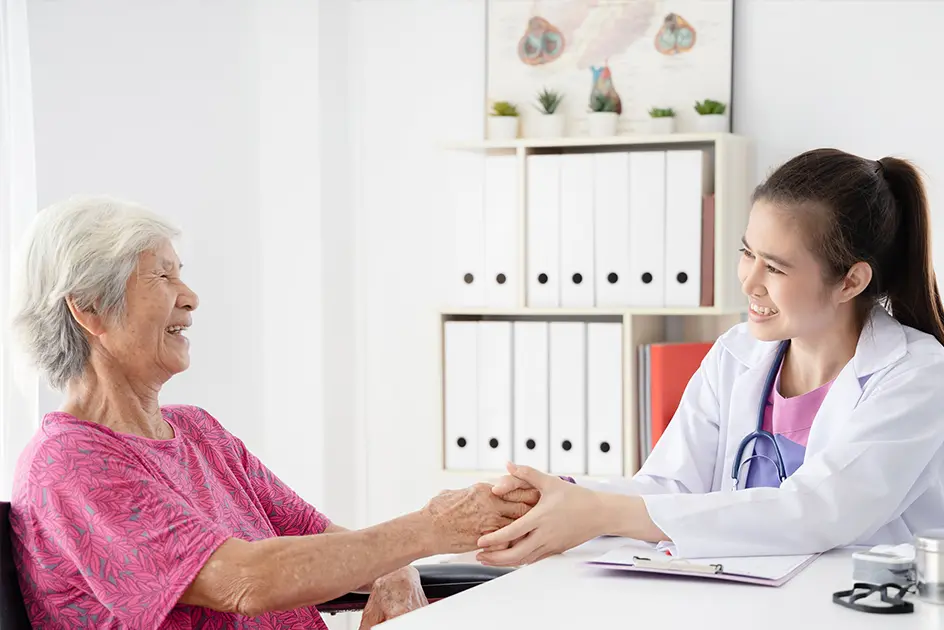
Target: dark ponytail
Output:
[
  {"x": 911, "y": 285},
  {"x": 853, "y": 209}
]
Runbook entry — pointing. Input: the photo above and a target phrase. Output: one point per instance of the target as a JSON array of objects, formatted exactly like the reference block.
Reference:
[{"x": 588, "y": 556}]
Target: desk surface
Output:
[{"x": 562, "y": 592}]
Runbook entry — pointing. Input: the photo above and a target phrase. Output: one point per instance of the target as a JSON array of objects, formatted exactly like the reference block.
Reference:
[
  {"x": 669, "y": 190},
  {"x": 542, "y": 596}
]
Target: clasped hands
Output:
[{"x": 562, "y": 515}]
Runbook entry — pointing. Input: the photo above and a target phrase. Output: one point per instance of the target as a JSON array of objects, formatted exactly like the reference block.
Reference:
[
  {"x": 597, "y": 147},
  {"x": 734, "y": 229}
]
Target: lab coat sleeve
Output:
[
  {"x": 683, "y": 460},
  {"x": 891, "y": 443}
]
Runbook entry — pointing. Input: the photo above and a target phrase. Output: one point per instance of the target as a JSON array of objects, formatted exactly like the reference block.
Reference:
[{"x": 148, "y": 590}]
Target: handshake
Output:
[{"x": 524, "y": 517}]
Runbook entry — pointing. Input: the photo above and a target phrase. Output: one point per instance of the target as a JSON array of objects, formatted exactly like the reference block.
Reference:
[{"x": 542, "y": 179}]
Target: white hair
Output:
[{"x": 85, "y": 248}]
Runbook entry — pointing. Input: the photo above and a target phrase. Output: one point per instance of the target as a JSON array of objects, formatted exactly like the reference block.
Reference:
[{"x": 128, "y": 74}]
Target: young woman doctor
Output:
[{"x": 819, "y": 422}]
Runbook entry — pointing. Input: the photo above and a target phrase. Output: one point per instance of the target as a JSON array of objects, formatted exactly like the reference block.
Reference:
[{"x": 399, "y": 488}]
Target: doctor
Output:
[{"x": 816, "y": 424}]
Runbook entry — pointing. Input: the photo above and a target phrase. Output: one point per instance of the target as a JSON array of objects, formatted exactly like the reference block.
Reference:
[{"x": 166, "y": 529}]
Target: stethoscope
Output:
[{"x": 759, "y": 432}]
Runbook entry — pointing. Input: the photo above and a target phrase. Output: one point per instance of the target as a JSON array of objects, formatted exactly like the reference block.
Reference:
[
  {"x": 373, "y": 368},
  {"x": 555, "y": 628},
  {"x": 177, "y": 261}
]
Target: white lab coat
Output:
[{"x": 874, "y": 466}]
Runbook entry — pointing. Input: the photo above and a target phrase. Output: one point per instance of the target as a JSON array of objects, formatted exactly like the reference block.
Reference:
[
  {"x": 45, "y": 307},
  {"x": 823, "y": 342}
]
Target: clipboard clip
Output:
[{"x": 677, "y": 564}]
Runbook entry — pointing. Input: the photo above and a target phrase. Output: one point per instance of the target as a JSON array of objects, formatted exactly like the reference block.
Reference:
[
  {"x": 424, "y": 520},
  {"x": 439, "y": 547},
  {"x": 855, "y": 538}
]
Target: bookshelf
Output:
[{"x": 728, "y": 172}]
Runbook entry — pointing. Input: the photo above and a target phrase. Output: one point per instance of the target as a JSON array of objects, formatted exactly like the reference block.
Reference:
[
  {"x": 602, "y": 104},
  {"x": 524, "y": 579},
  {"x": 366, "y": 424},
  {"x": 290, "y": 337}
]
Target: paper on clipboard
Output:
[{"x": 764, "y": 570}]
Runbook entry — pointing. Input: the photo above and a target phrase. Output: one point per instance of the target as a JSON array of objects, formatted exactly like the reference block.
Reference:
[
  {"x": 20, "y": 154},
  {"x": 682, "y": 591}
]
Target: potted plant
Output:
[
  {"x": 661, "y": 120},
  {"x": 603, "y": 117},
  {"x": 550, "y": 124},
  {"x": 711, "y": 116},
  {"x": 503, "y": 121}
]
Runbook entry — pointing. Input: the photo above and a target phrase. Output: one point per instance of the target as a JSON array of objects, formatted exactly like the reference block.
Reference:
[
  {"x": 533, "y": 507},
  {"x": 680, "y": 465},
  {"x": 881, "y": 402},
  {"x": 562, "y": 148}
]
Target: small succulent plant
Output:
[
  {"x": 549, "y": 101},
  {"x": 662, "y": 112},
  {"x": 709, "y": 106},
  {"x": 601, "y": 103},
  {"x": 504, "y": 108}
]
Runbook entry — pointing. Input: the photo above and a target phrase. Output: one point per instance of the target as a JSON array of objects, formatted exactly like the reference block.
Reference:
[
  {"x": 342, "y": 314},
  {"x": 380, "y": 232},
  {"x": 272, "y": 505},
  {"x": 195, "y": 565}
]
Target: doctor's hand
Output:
[
  {"x": 565, "y": 516},
  {"x": 393, "y": 595}
]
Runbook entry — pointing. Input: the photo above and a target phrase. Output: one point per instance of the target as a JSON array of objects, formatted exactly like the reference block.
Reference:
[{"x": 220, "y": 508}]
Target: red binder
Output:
[{"x": 671, "y": 367}]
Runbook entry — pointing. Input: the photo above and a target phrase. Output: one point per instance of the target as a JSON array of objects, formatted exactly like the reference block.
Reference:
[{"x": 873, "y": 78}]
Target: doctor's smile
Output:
[{"x": 761, "y": 313}]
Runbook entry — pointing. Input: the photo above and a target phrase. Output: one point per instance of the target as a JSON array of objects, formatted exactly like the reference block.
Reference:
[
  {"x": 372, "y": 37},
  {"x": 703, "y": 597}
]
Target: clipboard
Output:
[{"x": 762, "y": 570}]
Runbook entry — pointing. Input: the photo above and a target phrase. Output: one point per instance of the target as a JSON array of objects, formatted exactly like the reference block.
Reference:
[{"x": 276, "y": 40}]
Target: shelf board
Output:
[
  {"x": 590, "y": 312},
  {"x": 587, "y": 141},
  {"x": 470, "y": 476}
]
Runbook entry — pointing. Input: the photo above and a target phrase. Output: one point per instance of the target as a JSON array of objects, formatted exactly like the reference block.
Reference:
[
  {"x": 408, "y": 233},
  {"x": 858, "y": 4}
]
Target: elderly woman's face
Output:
[{"x": 149, "y": 341}]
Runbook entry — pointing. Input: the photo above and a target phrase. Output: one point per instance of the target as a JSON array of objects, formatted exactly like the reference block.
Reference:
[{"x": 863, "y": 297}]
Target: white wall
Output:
[
  {"x": 344, "y": 428},
  {"x": 854, "y": 74},
  {"x": 414, "y": 96},
  {"x": 289, "y": 222}
]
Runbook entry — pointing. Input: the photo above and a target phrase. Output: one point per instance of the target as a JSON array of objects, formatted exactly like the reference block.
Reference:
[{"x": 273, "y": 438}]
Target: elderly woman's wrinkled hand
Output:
[
  {"x": 458, "y": 518},
  {"x": 393, "y": 595}
]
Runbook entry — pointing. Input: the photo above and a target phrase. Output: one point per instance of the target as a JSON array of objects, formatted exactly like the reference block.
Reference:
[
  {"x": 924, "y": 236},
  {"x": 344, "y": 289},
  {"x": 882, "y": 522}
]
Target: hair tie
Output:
[{"x": 879, "y": 169}]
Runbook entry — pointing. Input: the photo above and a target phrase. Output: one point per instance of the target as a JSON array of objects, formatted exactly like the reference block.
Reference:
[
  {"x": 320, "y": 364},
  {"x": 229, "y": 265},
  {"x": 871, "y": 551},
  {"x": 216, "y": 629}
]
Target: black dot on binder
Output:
[
  {"x": 566, "y": 445},
  {"x": 493, "y": 442},
  {"x": 461, "y": 442},
  {"x": 612, "y": 278},
  {"x": 682, "y": 277},
  {"x": 542, "y": 278},
  {"x": 468, "y": 278},
  {"x": 605, "y": 447},
  {"x": 577, "y": 278},
  {"x": 646, "y": 278},
  {"x": 530, "y": 444},
  {"x": 500, "y": 278}
]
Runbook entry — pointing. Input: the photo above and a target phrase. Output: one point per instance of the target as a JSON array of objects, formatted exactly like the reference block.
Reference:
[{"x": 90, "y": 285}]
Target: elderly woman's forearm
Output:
[{"x": 287, "y": 572}]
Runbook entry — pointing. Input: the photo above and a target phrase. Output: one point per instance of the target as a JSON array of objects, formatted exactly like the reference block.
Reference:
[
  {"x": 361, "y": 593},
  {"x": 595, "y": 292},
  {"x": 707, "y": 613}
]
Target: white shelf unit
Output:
[{"x": 730, "y": 169}]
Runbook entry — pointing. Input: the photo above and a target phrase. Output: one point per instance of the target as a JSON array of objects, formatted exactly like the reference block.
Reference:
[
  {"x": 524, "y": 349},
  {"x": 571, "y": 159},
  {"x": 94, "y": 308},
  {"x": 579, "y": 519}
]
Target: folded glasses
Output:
[{"x": 891, "y": 597}]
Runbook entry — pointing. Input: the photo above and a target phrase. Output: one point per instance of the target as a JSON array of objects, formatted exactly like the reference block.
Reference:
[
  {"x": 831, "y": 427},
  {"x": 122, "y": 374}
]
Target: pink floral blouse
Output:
[{"x": 110, "y": 529}]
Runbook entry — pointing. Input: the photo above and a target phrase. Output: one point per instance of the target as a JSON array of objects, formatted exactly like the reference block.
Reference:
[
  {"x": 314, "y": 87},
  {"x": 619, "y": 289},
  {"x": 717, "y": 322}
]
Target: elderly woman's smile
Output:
[{"x": 147, "y": 340}]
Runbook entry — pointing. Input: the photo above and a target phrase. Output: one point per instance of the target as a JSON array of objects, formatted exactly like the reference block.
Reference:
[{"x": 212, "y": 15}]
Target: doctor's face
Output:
[{"x": 782, "y": 279}]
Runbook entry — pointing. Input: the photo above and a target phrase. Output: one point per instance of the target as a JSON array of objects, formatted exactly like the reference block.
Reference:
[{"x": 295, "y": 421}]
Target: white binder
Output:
[
  {"x": 647, "y": 228},
  {"x": 604, "y": 399},
  {"x": 611, "y": 228},
  {"x": 576, "y": 228},
  {"x": 543, "y": 231},
  {"x": 683, "y": 201},
  {"x": 568, "y": 395},
  {"x": 460, "y": 391},
  {"x": 466, "y": 173},
  {"x": 531, "y": 420},
  {"x": 501, "y": 231},
  {"x": 494, "y": 398}
]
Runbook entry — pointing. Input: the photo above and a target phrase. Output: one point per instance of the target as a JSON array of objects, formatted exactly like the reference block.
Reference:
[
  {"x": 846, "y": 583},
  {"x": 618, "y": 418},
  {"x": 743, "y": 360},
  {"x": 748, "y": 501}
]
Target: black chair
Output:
[
  {"x": 12, "y": 610},
  {"x": 439, "y": 581}
]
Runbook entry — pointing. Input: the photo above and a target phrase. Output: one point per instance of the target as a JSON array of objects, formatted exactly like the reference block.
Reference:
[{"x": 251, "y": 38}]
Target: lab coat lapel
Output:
[
  {"x": 842, "y": 398},
  {"x": 746, "y": 394},
  {"x": 881, "y": 343}
]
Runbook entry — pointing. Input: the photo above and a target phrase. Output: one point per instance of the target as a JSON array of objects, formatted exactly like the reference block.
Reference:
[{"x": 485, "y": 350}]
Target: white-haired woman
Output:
[{"x": 129, "y": 514}]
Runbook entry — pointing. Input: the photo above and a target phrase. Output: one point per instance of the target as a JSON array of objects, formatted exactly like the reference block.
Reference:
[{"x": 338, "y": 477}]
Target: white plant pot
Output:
[
  {"x": 548, "y": 126},
  {"x": 602, "y": 123},
  {"x": 712, "y": 123},
  {"x": 663, "y": 125},
  {"x": 502, "y": 127}
]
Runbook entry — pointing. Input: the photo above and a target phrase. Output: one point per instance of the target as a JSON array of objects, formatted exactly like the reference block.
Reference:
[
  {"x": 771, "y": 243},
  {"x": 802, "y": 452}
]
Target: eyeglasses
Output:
[{"x": 893, "y": 602}]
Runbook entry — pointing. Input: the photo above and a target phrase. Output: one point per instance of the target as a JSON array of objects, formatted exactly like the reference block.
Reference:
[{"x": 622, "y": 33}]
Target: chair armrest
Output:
[{"x": 438, "y": 580}]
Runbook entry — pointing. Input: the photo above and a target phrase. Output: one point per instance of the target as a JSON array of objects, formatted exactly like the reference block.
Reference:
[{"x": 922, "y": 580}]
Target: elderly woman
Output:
[{"x": 130, "y": 514}]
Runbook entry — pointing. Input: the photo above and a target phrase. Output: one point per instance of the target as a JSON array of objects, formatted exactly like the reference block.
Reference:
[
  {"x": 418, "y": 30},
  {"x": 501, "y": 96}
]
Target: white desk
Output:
[{"x": 562, "y": 593}]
